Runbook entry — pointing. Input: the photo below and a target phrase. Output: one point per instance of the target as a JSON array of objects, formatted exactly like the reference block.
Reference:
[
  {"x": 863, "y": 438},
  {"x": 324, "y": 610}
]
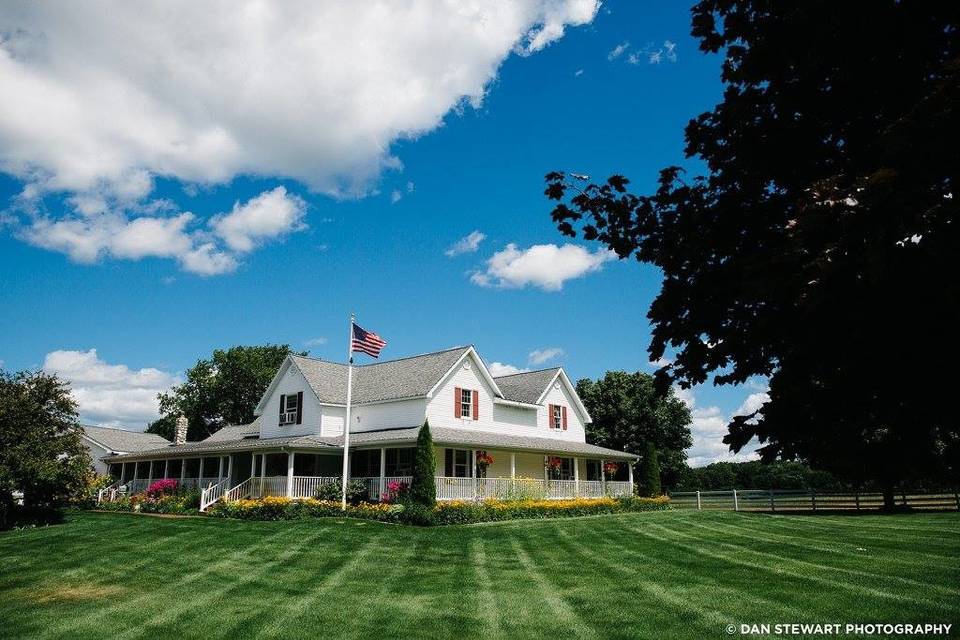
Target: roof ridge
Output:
[
  {"x": 526, "y": 373},
  {"x": 96, "y": 426},
  {"x": 373, "y": 364}
]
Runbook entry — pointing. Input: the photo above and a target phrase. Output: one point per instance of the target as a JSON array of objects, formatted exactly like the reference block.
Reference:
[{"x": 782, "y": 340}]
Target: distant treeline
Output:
[{"x": 723, "y": 476}]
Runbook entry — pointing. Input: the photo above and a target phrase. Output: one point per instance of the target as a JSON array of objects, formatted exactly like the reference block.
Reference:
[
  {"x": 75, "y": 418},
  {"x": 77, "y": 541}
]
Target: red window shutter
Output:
[
  {"x": 300, "y": 408},
  {"x": 476, "y": 404},
  {"x": 550, "y": 416},
  {"x": 457, "y": 395},
  {"x": 563, "y": 410}
]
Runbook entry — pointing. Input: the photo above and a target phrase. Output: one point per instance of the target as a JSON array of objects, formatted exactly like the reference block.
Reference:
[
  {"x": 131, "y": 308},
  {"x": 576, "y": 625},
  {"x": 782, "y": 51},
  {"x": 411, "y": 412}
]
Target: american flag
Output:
[{"x": 367, "y": 342}]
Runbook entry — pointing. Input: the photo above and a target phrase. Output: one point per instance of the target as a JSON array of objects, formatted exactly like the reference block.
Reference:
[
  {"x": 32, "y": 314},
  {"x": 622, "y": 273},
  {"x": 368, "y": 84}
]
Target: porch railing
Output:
[
  {"x": 306, "y": 486},
  {"x": 240, "y": 491},
  {"x": 213, "y": 493},
  {"x": 526, "y": 489},
  {"x": 269, "y": 486}
]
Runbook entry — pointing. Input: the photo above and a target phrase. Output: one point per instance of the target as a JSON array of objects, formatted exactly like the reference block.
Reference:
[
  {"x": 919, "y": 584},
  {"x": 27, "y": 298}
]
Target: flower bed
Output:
[
  {"x": 445, "y": 513},
  {"x": 164, "y": 499}
]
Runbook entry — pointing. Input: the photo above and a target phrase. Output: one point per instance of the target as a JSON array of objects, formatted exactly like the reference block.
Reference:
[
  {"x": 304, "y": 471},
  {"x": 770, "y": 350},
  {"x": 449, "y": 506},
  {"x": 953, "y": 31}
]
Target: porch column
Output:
[
  {"x": 200, "y": 473},
  {"x": 123, "y": 472},
  {"x": 220, "y": 470},
  {"x": 183, "y": 469},
  {"x": 473, "y": 471},
  {"x": 290, "y": 474},
  {"x": 166, "y": 467},
  {"x": 513, "y": 465},
  {"x": 263, "y": 471},
  {"x": 230, "y": 468},
  {"x": 383, "y": 470},
  {"x": 576, "y": 477},
  {"x": 603, "y": 477},
  {"x": 253, "y": 464},
  {"x": 630, "y": 474},
  {"x": 150, "y": 474}
]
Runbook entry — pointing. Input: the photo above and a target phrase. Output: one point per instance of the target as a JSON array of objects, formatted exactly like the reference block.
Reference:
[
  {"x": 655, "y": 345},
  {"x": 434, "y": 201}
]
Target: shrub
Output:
[
  {"x": 163, "y": 487},
  {"x": 331, "y": 491},
  {"x": 650, "y": 472},
  {"x": 423, "y": 485},
  {"x": 397, "y": 492}
]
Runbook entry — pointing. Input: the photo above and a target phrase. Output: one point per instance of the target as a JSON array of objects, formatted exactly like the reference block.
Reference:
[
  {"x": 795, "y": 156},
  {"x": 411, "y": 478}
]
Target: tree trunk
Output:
[{"x": 889, "y": 502}]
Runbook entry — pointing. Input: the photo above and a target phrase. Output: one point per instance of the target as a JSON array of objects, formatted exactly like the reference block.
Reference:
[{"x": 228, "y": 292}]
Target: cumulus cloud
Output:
[
  {"x": 539, "y": 356},
  {"x": 652, "y": 54},
  {"x": 110, "y": 394},
  {"x": 546, "y": 266},
  {"x": 106, "y": 97},
  {"x": 88, "y": 237},
  {"x": 271, "y": 214},
  {"x": 467, "y": 244},
  {"x": 315, "y": 342},
  {"x": 710, "y": 426},
  {"x": 500, "y": 369}
]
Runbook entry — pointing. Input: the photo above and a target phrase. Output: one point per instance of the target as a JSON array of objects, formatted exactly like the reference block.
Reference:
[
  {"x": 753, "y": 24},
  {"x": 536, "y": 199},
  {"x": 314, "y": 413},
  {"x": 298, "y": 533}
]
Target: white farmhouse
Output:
[
  {"x": 106, "y": 441},
  {"x": 492, "y": 434}
]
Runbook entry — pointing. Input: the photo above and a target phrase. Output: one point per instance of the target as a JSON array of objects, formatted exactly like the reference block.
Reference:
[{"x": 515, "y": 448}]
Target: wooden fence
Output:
[{"x": 799, "y": 500}]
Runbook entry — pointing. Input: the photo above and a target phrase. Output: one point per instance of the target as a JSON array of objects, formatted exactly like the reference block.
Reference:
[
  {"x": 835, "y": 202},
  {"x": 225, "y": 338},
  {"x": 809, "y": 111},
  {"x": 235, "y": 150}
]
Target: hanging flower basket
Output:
[
  {"x": 610, "y": 469},
  {"x": 553, "y": 463},
  {"x": 484, "y": 460}
]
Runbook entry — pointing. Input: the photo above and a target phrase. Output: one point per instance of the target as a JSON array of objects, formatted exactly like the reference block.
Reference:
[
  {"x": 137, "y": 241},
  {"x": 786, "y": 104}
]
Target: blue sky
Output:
[{"x": 377, "y": 241}]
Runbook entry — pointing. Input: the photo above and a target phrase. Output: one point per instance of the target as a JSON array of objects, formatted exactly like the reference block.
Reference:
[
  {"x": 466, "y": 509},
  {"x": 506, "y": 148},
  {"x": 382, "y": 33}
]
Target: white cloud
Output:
[
  {"x": 500, "y": 369},
  {"x": 710, "y": 426},
  {"x": 91, "y": 236},
  {"x": 539, "y": 356},
  {"x": 467, "y": 244},
  {"x": 110, "y": 394},
  {"x": 667, "y": 52},
  {"x": 618, "y": 50},
  {"x": 271, "y": 214},
  {"x": 315, "y": 342},
  {"x": 662, "y": 361},
  {"x": 104, "y": 98},
  {"x": 395, "y": 196},
  {"x": 543, "y": 265},
  {"x": 578, "y": 73}
]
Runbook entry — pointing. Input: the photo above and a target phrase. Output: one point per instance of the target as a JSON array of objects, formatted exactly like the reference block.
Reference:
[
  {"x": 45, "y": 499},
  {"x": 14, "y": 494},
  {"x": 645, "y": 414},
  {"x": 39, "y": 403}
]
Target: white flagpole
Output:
[{"x": 346, "y": 422}]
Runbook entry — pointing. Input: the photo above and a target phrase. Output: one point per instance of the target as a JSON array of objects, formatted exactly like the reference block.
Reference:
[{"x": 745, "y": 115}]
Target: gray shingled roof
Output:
[
  {"x": 123, "y": 440},
  {"x": 526, "y": 387},
  {"x": 404, "y": 378},
  {"x": 408, "y": 435},
  {"x": 236, "y": 432}
]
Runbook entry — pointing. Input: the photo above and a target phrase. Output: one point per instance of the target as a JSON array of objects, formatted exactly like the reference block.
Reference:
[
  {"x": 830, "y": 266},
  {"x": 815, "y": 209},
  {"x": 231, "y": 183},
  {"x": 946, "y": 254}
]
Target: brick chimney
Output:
[{"x": 180, "y": 433}]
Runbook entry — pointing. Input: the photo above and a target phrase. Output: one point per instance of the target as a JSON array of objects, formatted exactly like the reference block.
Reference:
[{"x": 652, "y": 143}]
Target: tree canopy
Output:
[
  {"x": 41, "y": 454},
  {"x": 221, "y": 390},
  {"x": 817, "y": 250},
  {"x": 628, "y": 413}
]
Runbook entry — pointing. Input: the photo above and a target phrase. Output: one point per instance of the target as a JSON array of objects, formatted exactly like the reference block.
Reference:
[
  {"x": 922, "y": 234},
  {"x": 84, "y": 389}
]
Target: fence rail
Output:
[{"x": 800, "y": 500}]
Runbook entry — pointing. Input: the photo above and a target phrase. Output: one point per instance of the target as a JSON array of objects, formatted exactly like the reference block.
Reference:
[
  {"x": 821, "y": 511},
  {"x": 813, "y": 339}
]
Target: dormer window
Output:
[
  {"x": 466, "y": 403},
  {"x": 557, "y": 416},
  {"x": 291, "y": 408}
]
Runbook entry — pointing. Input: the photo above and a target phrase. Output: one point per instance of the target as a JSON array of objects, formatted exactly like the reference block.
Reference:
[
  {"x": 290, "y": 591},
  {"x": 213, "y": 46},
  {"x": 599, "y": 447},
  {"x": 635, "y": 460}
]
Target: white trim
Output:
[
  {"x": 571, "y": 390},
  {"x": 456, "y": 365},
  {"x": 515, "y": 403}
]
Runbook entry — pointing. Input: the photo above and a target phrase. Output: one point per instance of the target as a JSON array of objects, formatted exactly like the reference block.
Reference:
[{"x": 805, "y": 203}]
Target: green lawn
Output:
[{"x": 657, "y": 575}]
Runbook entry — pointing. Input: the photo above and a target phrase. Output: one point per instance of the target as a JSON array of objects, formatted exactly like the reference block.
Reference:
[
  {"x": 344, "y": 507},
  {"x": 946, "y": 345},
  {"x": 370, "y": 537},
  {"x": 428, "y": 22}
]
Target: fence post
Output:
[
  {"x": 736, "y": 505},
  {"x": 773, "y": 507},
  {"x": 956, "y": 497},
  {"x": 903, "y": 496},
  {"x": 813, "y": 500},
  {"x": 698, "y": 502},
  {"x": 856, "y": 498}
]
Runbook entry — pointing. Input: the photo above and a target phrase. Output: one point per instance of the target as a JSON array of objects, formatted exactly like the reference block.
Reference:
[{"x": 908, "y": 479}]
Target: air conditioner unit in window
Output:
[{"x": 288, "y": 418}]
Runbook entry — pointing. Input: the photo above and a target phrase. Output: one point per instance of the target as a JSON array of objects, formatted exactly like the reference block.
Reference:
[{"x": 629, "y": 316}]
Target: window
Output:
[
  {"x": 466, "y": 402},
  {"x": 291, "y": 408},
  {"x": 365, "y": 463},
  {"x": 400, "y": 462},
  {"x": 457, "y": 463},
  {"x": 556, "y": 420}
]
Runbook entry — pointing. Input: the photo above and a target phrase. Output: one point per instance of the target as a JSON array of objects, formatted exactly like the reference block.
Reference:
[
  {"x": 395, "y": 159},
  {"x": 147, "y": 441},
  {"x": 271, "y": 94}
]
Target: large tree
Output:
[
  {"x": 628, "y": 414},
  {"x": 220, "y": 390},
  {"x": 817, "y": 250},
  {"x": 41, "y": 454}
]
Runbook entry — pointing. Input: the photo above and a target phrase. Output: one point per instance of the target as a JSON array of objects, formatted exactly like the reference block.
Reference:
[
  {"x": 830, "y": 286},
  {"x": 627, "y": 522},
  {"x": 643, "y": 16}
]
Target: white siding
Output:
[
  {"x": 96, "y": 452},
  {"x": 331, "y": 422},
  {"x": 440, "y": 407},
  {"x": 388, "y": 415},
  {"x": 291, "y": 382}
]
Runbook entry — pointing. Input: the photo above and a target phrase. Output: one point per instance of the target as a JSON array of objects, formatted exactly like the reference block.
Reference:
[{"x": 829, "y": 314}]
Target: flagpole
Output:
[{"x": 346, "y": 422}]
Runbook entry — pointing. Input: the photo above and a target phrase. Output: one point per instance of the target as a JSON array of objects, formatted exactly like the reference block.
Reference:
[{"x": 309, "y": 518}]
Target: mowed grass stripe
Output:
[
  {"x": 760, "y": 566},
  {"x": 754, "y": 540}
]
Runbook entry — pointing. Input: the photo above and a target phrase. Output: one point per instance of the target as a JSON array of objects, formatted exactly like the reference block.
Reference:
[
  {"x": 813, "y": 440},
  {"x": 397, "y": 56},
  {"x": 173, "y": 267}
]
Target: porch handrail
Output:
[
  {"x": 213, "y": 493},
  {"x": 240, "y": 491},
  {"x": 108, "y": 490}
]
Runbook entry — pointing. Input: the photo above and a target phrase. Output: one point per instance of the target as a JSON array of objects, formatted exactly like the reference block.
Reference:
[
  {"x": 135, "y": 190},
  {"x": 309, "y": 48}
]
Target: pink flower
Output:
[{"x": 161, "y": 487}]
